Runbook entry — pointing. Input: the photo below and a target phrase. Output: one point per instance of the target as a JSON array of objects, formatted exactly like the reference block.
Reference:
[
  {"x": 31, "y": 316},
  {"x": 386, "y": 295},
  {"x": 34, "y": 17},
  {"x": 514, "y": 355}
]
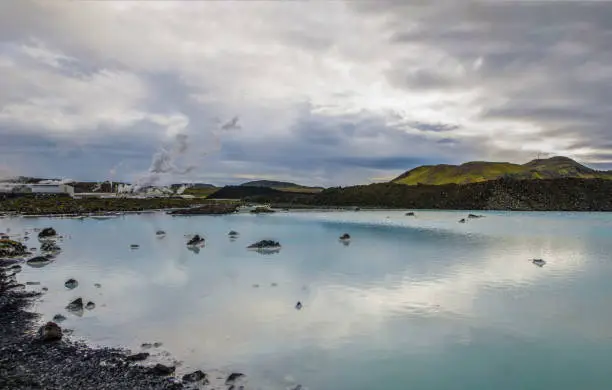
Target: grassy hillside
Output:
[
  {"x": 282, "y": 186},
  {"x": 480, "y": 171},
  {"x": 201, "y": 191}
]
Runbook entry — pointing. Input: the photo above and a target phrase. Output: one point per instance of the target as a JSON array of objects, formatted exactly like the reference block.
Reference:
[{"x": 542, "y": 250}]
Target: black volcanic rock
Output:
[
  {"x": 47, "y": 232},
  {"x": 10, "y": 248},
  {"x": 233, "y": 377},
  {"x": 265, "y": 244},
  {"x": 195, "y": 376},
  {"x": 160, "y": 369},
  {"x": 195, "y": 240},
  {"x": 567, "y": 194},
  {"x": 49, "y": 246},
  {"x": 138, "y": 357},
  {"x": 71, "y": 283},
  {"x": 210, "y": 209}
]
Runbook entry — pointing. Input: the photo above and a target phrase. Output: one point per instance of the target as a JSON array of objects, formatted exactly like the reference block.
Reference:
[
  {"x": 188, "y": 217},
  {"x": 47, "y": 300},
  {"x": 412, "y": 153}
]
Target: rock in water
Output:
[
  {"x": 76, "y": 305},
  {"x": 49, "y": 246},
  {"x": 195, "y": 240},
  {"x": 137, "y": 357},
  {"x": 71, "y": 283},
  {"x": 233, "y": 377},
  {"x": 50, "y": 332},
  {"x": 195, "y": 376},
  {"x": 233, "y": 233},
  {"x": 90, "y": 305},
  {"x": 157, "y": 344},
  {"x": 265, "y": 244},
  {"x": 345, "y": 237},
  {"x": 462, "y": 220},
  {"x": 410, "y": 214},
  {"x": 134, "y": 246},
  {"x": 97, "y": 285},
  {"x": 160, "y": 369},
  {"x": 39, "y": 261},
  {"x": 59, "y": 318},
  {"x": 538, "y": 262},
  {"x": 47, "y": 232},
  {"x": 160, "y": 233},
  {"x": 474, "y": 216}
]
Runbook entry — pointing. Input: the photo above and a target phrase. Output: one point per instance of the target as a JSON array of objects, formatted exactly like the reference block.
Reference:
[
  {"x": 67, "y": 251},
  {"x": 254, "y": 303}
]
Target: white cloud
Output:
[{"x": 94, "y": 65}]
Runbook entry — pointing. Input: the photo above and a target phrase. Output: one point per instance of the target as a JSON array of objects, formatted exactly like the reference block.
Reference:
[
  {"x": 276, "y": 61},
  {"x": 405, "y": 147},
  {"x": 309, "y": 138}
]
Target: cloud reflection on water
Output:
[{"x": 418, "y": 285}]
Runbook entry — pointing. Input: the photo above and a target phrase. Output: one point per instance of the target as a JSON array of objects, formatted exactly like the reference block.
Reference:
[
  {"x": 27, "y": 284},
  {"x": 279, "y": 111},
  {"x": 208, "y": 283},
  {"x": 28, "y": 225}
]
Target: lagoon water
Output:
[{"x": 411, "y": 303}]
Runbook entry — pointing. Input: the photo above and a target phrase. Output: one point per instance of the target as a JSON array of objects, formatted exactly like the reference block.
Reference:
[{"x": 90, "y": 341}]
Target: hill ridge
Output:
[{"x": 480, "y": 171}]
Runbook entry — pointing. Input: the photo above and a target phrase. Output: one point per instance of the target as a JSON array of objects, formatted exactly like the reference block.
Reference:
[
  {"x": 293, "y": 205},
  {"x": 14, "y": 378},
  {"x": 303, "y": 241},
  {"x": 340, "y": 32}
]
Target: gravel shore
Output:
[{"x": 28, "y": 363}]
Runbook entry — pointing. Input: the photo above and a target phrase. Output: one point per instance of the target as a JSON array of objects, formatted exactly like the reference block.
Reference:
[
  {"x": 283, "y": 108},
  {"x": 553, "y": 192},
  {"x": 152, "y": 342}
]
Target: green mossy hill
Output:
[
  {"x": 480, "y": 171},
  {"x": 39, "y": 205},
  {"x": 201, "y": 191},
  {"x": 503, "y": 194}
]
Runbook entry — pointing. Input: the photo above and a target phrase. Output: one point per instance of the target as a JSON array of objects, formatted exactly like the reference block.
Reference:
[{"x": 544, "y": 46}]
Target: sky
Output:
[{"x": 319, "y": 93}]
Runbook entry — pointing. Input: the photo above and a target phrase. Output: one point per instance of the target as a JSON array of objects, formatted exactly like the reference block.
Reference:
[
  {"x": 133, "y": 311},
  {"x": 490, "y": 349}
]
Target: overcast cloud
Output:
[{"x": 321, "y": 93}]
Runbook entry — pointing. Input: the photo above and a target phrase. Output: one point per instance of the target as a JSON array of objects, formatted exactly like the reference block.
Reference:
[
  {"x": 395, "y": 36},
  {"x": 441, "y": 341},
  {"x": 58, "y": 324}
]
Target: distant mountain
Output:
[
  {"x": 192, "y": 185},
  {"x": 269, "y": 184},
  {"x": 261, "y": 194},
  {"x": 281, "y": 186},
  {"x": 479, "y": 171}
]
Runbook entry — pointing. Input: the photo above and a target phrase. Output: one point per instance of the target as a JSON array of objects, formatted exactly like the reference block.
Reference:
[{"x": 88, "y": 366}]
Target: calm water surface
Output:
[{"x": 411, "y": 303}]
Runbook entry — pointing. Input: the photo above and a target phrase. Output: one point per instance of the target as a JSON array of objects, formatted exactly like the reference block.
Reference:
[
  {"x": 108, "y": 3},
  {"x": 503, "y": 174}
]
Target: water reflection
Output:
[{"x": 412, "y": 292}]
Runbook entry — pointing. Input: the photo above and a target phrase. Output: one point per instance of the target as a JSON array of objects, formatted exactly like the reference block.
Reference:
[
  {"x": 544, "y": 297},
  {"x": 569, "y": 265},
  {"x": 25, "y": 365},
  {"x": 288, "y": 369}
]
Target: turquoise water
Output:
[{"x": 410, "y": 303}]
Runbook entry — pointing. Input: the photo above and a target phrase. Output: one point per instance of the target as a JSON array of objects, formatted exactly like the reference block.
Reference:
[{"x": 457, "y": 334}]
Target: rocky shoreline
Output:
[
  {"x": 26, "y": 362},
  {"x": 33, "y": 360},
  {"x": 51, "y": 205},
  {"x": 40, "y": 356}
]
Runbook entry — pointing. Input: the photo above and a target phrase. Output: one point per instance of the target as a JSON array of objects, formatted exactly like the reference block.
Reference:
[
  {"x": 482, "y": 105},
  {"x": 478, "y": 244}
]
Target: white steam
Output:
[
  {"x": 174, "y": 159},
  {"x": 61, "y": 181}
]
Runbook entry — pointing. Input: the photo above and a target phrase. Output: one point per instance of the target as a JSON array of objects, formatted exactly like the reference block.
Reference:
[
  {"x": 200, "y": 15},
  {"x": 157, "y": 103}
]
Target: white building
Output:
[
  {"x": 52, "y": 189},
  {"x": 14, "y": 188}
]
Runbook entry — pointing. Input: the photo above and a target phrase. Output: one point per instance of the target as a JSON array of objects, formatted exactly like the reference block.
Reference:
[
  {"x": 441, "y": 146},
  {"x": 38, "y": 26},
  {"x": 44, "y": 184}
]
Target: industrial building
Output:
[{"x": 38, "y": 188}]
